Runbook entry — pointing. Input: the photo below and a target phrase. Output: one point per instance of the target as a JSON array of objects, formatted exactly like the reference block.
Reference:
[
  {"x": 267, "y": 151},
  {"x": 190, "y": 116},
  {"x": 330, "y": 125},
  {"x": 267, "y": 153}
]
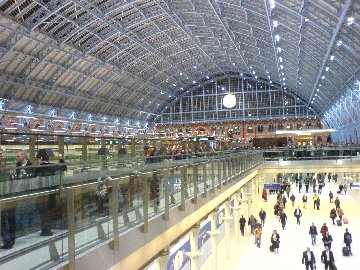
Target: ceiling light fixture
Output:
[{"x": 229, "y": 100}]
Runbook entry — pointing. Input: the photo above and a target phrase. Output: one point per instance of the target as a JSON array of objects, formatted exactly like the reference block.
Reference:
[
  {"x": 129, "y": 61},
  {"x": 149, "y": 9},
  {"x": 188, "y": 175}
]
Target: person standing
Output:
[
  {"x": 292, "y": 199},
  {"x": 298, "y": 214},
  {"x": 313, "y": 233},
  {"x": 308, "y": 259},
  {"x": 304, "y": 199},
  {"x": 333, "y": 215},
  {"x": 348, "y": 240},
  {"x": 242, "y": 222},
  {"x": 327, "y": 239},
  {"x": 300, "y": 186},
  {"x": 337, "y": 203},
  {"x": 262, "y": 215},
  {"x": 327, "y": 258},
  {"x": 340, "y": 213},
  {"x": 283, "y": 219},
  {"x": 258, "y": 233},
  {"x": 307, "y": 185},
  {"x": 331, "y": 196},
  {"x": 252, "y": 223},
  {"x": 318, "y": 203},
  {"x": 275, "y": 241}
]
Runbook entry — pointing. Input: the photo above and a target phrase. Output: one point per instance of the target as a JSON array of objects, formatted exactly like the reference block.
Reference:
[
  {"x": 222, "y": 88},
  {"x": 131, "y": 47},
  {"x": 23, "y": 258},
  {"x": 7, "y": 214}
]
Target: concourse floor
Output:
[{"x": 295, "y": 238}]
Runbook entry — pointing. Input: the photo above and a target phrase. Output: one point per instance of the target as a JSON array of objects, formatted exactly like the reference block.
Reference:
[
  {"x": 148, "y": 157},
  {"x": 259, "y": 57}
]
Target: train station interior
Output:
[{"x": 150, "y": 134}]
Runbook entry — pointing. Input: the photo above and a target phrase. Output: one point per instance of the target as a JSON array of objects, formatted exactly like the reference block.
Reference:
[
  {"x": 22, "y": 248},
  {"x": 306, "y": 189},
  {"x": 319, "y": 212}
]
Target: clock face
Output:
[{"x": 178, "y": 260}]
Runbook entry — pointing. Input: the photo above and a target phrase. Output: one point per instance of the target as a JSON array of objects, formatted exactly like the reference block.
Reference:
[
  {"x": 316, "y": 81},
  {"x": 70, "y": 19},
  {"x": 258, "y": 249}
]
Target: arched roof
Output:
[{"x": 129, "y": 59}]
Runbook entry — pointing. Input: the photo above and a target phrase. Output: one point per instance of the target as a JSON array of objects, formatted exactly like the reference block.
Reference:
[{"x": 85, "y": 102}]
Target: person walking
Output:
[
  {"x": 258, "y": 233},
  {"x": 313, "y": 233},
  {"x": 298, "y": 214},
  {"x": 300, "y": 187},
  {"x": 340, "y": 213},
  {"x": 331, "y": 196},
  {"x": 242, "y": 222},
  {"x": 275, "y": 241},
  {"x": 324, "y": 229},
  {"x": 327, "y": 239},
  {"x": 327, "y": 258},
  {"x": 283, "y": 219},
  {"x": 337, "y": 203},
  {"x": 333, "y": 215},
  {"x": 348, "y": 240},
  {"x": 262, "y": 215},
  {"x": 292, "y": 199},
  {"x": 315, "y": 198},
  {"x": 318, "y": 203},
  {"x": 308, "y": 259},
  {"x": 304, "y": 199},
  {"x": 252, "y": 223}
]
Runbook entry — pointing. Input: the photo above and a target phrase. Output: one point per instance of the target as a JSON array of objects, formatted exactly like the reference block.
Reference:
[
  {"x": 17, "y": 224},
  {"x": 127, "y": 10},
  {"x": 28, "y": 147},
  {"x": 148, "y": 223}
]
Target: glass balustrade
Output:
[{"x": 59, "y": 211}]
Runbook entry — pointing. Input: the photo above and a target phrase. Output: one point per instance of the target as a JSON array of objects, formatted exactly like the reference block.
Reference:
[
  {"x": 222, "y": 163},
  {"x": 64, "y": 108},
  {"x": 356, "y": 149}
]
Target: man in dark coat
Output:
[
  {"x": 308, "y": 259},
  {"x": 242, "y": 222},
  {"x": 327, "y": 258}
]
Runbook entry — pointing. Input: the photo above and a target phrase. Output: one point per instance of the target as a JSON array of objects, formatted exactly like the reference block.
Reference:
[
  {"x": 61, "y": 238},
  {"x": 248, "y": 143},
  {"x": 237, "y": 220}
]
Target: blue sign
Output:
[
  {"x": 272, "y": 186},
  {"x": 203, "y": 235},
  {"x": 354, "y": 185},
  {"x": 178, "y": 259}
]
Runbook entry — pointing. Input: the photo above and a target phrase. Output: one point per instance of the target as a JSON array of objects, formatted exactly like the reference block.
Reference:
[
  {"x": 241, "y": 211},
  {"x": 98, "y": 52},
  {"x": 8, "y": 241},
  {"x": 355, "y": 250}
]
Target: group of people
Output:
[
  {"x": 25, "y": 170},
  {"x": 308, "y": 257}
]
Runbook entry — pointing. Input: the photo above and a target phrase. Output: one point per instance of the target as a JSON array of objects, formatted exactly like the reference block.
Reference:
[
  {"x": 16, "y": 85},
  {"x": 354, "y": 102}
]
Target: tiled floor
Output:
[{"x": 295, "y": 238}]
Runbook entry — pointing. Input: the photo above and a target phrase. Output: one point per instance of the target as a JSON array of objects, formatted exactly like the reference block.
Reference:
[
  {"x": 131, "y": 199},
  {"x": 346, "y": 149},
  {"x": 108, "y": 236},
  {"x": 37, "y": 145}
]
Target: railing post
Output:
[
  {"x": 205, "y": 178},
  {"x": 114, "y": 204},
  {"x": 182, "y": 188},
  {"x": 145, "y": 199},
  {"x": 195, "y": 182},
  {"x": 212, "y": 176},
  {"x": 70, "y": 198},
  {"x": 166, "y": 215},
  {"x": 224, "y": 171},
  {"x": 219, "y": 178}
]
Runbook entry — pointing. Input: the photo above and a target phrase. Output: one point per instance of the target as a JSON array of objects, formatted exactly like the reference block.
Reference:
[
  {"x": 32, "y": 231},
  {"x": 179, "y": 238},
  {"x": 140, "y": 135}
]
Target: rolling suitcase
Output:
[
  {"x": 345, "y": 251},
  {"x": 339, "y": 222}
]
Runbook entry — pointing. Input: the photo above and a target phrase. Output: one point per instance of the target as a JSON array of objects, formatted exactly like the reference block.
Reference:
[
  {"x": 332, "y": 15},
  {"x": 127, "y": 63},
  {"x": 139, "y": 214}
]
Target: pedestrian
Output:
[
  {"x": 258, "y": 233},
  {"x": 275, "y": 241},
  {"x": 315, "y": 198},
  {"x": 288, "y": 188},
  {"x": 283, "y": 219},
  {"x": 345, "y": 189},
  {"x": 318, "y": 203},
  {"x": 308, "y": 259},
  {"x": 284, "y": 201},
  {"x": 313, "y": 233},
  {"x": 331, "y": 196},
  {"x": 251, "y": 223},
  {"x": 348, "y": 240},
  {"x": 333, "y": 215},
  {"x": 298, "y": 214},
  {"x": 262, "y": 215},
  {"x": 300, "y": 187},
  {"x": 340, "y": 213},
  {"x": 292, "y": 199},
  {"x": 304, "y": 199},
  {"x": 307, "y": 185},
  {"x": 324, "y": 229},
  {"x": 337, "y": 203},
  {"x": 327, "y": 258},
  {"x": 242, "y": 222},
  {"x": 327, "y": 239}
]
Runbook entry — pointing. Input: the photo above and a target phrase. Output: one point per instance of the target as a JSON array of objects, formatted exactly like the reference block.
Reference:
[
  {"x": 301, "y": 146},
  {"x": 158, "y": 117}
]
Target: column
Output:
[
  {"x": 61, "y": 146},
  {"x": 194, "y": 254},
  {"x": 213, "y": 235},
  {"x": 213, "y": 176},
  {"x": 132, "y": 148},
  {"x": 227, "y": 218},
  {"x": 84, "y": 150},
  {"x": 114, "y": 207},
  {"x": 236, "y": 208},
  {"x": 205, "y": 178},
  {"x": 195, "y": 182},
  {"x": 32, "y": 140},
  {"x": 145, "y": 202},
  {"x": 163, "y": 259},
  {"x": 166, "y": 175}
]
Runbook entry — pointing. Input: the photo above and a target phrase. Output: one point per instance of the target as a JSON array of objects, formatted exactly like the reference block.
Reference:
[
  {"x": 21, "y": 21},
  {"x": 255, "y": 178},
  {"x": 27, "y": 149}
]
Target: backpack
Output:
[{"x": 348, "y": 238}]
